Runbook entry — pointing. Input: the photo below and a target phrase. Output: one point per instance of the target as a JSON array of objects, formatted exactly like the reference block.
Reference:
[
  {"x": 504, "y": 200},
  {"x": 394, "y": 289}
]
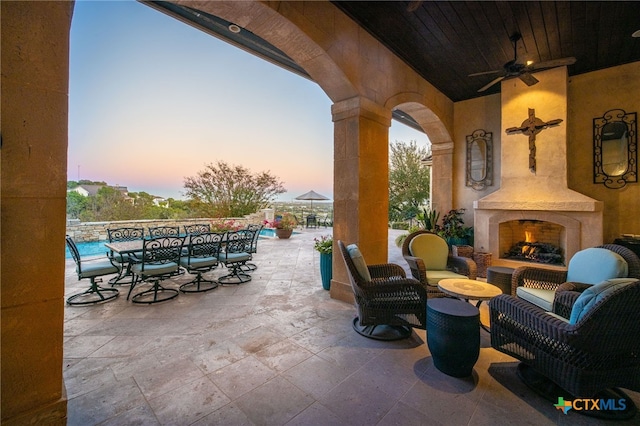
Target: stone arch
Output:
[
  {"x": 281, "y": 26},
  {"x": 441, "y": 145}
]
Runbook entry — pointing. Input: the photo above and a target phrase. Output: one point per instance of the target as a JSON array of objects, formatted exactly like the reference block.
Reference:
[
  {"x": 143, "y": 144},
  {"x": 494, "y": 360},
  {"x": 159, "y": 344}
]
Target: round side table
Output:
[
  {"x": 500, "y": 276},
  {"x": 453, "y": 335}
]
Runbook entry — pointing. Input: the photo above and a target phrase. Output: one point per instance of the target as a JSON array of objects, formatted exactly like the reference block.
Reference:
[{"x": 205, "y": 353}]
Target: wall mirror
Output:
[
  {"x": 615, "y": 148},
  {"x": 479, "y": 159}
]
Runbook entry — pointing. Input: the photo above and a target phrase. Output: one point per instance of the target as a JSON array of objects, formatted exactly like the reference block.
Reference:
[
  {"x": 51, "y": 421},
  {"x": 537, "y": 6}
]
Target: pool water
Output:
[{"x": 90, "y": 248}]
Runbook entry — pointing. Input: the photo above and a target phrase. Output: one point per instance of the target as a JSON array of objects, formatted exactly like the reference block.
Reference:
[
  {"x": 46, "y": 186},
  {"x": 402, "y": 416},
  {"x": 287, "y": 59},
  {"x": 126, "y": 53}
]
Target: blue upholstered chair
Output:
[
  {"x": 591, "y": 354},
  {"x": 589, "y": 266},
  {"x": 92, "y": 269}
]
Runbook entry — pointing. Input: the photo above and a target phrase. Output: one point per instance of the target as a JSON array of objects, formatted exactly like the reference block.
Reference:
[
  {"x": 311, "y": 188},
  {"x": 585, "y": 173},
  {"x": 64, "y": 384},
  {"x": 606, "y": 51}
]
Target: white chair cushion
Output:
[
  {"x": 537, "y": 296},
  {"x": 358, "y": 262}
]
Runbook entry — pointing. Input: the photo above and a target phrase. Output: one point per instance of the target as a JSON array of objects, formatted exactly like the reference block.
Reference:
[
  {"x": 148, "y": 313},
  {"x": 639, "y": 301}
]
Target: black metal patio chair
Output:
[
  {"x": 236, "y": 254},
  {"x": 202, "y": 255},
  {"x": 92, "y": 269},
  {"x": 160, "y": 260},
  {"x": 122, "y": 261}
]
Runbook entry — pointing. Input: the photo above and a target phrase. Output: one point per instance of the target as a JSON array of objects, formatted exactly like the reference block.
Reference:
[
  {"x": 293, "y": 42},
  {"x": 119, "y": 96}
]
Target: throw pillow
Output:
[
  {"x": 594, "y": 294},
  {"x": 358, "y": 261}
]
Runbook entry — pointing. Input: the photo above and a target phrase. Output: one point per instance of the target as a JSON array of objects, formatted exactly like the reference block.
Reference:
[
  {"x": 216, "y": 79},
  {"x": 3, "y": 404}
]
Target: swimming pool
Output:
[{"x": 89, "y": 248}]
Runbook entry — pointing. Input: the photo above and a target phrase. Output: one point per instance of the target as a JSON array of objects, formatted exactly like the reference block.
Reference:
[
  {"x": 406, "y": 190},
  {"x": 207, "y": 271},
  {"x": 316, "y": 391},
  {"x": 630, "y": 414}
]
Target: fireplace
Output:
[
  {"x": 539, "y": 198},
  {"x": 533, "y": 241}
]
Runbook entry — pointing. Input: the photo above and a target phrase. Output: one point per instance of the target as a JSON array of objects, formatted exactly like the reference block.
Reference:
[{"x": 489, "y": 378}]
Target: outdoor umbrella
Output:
[{"x": 311, "y": 195}]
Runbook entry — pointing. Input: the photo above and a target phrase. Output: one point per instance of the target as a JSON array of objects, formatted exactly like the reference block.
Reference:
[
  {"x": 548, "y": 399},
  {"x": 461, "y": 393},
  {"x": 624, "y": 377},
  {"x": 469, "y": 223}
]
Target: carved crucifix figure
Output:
[{"x": 531, "y": 127}]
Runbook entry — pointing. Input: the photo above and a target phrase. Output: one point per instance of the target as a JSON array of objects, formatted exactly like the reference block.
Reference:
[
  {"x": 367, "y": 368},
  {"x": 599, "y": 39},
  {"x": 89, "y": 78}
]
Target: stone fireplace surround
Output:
[{"x": 542, "y": 194}]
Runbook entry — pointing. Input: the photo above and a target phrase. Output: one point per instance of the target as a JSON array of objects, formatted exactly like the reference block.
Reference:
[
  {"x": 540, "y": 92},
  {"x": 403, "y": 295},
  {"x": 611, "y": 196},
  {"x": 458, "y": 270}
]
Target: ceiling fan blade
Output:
[
  {"x": 528, "y": 79},
  {"x": 485, "y": 73},
  {"x": 553, "y": 63},
  {"x": 494, "y": 81}
]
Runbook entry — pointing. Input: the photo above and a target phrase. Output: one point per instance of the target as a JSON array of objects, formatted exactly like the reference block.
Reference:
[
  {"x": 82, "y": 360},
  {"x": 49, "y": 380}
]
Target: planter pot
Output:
[
  {"x": 284, "y": 233},
  {"x": 326, "y": 270},
  {"x": 455, "y": 241}
]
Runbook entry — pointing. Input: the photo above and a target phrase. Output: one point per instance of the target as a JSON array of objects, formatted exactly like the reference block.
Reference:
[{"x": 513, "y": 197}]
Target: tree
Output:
[
  {"x": 76, "y": 204},
  {"x": 408, "y": 180},
  {"x": 223, "y": 190}
]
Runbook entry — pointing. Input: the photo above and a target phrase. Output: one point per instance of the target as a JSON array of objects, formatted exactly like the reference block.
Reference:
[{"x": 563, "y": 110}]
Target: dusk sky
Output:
[{"x": 152, "y": 100}]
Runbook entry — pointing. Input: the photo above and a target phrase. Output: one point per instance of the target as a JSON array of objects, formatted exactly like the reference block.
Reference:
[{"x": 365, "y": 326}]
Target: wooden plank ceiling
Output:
[{"x": 445, "y": 41}]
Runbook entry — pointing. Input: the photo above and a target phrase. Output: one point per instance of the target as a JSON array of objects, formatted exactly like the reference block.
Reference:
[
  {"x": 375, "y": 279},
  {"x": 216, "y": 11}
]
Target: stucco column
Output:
[
  {"x": 442, "y": 177},
  {"x": 35, "y": 75},
  {"x": 360, "y": 184}
]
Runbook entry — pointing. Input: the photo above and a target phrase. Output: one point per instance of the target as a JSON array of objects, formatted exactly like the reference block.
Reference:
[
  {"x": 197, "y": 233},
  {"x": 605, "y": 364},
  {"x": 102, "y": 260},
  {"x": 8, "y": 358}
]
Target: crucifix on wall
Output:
[{"x": 531, "y": 127}]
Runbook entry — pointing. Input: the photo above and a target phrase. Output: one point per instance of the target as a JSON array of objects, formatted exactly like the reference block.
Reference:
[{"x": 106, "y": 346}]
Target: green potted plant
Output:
[
  {"x": 453, "y": 229},
  {"x": 324, "y": 245}
]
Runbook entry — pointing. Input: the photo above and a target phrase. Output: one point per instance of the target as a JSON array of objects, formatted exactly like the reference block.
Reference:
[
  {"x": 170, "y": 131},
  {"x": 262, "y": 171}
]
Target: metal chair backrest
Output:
[
  {"x": 125, "y": 234},
  {"x": 256, "y": 230},
  {"x": 164, "y": 231},
  {"x": 197, "y": 228},
  {"x": 162, "y": 250},
  {"x": 75, "y": 253},
  {"x": 205, "y": 245},
  {"x": 238, "y": 241}
]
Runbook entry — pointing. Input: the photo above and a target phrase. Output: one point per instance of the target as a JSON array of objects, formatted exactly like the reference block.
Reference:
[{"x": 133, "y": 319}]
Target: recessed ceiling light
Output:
[
  {"x": 234, "y": 28},
  {"x": 636, "y": 34}
]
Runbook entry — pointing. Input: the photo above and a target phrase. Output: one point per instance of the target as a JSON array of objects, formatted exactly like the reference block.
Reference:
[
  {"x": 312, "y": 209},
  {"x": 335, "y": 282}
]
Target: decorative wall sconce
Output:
[
  {"x": 615, "y": 149},
  {"x": 479, "y": 159}
]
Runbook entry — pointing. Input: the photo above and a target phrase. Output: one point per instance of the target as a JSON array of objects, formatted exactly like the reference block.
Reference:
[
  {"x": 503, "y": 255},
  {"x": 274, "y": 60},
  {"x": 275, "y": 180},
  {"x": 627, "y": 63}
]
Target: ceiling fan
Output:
[{"x": 514, "y": 68}]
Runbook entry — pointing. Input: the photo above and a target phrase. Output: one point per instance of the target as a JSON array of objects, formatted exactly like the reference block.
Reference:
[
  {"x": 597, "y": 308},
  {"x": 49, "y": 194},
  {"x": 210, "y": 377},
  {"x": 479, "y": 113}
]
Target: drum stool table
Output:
[{"x": 453, "y": 335}]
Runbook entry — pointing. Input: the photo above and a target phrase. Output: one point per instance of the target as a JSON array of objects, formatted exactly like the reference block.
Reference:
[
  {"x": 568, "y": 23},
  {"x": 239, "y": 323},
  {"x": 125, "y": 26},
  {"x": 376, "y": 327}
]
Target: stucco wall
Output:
[
  {"x": 479, "y": 113},
  {"x": 590, "y": 96}
]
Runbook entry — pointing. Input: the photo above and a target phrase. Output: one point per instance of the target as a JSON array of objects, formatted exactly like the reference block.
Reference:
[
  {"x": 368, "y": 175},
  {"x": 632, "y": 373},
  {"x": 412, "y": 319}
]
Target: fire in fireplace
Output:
[{"x": 532, "y": 241}]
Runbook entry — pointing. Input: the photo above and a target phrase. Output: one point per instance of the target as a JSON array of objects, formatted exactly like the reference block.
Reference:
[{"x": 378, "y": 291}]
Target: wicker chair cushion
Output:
[
  {"x": 537, "y": 296},
  {"x": 432, "y": 249},
  {"x": 594, "y": 265},
  {"x": 358, "y": 262},
  {"x": 434, "y": 277},
  {"x": 593, "y": 294}
]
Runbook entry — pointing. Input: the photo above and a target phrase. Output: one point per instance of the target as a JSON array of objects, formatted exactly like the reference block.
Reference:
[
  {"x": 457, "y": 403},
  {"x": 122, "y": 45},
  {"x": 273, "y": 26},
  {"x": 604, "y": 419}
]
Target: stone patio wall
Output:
[{"x": 97, "y": 231}]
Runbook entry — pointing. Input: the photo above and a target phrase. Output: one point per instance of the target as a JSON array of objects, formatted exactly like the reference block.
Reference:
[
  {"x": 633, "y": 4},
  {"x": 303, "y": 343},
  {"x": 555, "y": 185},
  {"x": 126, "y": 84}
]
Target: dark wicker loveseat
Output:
[
  {"x": 388, "y": 305},
  {"x": 600, "y": 351}
]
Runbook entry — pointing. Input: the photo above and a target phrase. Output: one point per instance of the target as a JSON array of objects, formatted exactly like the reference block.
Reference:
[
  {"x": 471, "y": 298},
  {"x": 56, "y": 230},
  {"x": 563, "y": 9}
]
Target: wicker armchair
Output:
[
  {"x": 601, "y": 350},
  {"x": 456, "y": 266},
  {"x": 554, "y": 281},
  {"x": 389, "y": 304}
]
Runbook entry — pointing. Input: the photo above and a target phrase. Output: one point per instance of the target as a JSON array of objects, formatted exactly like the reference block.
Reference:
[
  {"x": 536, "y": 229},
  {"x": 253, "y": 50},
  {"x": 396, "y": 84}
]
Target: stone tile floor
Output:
[{"x": 275, "y": 351}]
